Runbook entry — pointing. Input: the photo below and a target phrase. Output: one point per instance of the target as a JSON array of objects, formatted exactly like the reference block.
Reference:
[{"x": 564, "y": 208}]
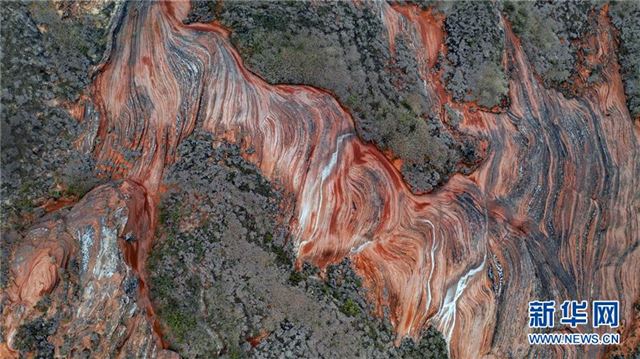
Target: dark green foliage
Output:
[
  {"x": 550, "y": 34},
  {"x": 32, "y": 337},
  {"x": 350, "y": 308},
  {"x": 431, "y": 345},
  {"x": 179, "y": 320},
  {"x": 77, "y": 189},
  {"x": 43, "y": 304},
  {"x": 221, "y": 271},
  {"x": 268, "y": 238},
  {"x": 45, "y": 61},
  {"x": 219, "y": 196},
  {"x": 169, "y": 215},
  {"x": 296, "y": 277},
  {"x": 282, "y": 258},
  {"x": 625, "y": 17},
  {"x": 475, "y": 42}
]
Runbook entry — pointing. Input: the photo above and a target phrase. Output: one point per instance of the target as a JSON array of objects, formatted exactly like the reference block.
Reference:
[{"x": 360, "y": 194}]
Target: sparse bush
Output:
[
  {"x": 624, "y": 16},
  {"x": 296, "y": 277},
  {"x": 350, "y": 308},
  {"x": 179, "y": 321},
  {"x": 343, "y": 48},
  {"x": 551, "y": 34},
  {"x": 430, "y": 345},
  {"x": 490, "y": 84},
  {"x": 220, "y": 196},
  {"x": 32, "y": 337},
  {"x": 475, "y": 41}
]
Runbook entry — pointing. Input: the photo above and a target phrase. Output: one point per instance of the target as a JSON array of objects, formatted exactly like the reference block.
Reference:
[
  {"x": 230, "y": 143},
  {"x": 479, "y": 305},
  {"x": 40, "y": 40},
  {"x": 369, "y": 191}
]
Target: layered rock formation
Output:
[
  {"x": 73, "y": 292},
  {"x": 552, "y": 213}
]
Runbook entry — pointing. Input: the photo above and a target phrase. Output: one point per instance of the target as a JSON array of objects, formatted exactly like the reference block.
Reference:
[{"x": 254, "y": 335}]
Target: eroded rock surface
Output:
[
  {"x": 72, "y": 292},
  {"x": 551, "y": 213},
  {"x": 346, "y": 49},
  {"x": 46, "y": 61},
  {"x": 222, "y": 276}
]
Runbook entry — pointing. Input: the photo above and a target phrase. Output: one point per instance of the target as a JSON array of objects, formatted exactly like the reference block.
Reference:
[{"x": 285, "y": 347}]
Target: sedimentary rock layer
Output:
[
  {"x": 551, "y": 213},
  {"x": 73, "y": 266}
]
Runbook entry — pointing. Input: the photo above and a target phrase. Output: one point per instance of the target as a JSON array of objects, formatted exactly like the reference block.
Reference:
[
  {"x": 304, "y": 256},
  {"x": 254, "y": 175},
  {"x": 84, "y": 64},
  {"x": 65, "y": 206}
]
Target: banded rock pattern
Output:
[{"x": 550, "y": 214}]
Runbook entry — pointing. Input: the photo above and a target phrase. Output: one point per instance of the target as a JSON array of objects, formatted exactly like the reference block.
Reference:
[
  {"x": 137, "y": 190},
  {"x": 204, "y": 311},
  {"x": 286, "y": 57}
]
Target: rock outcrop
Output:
[
  {"x": 73, "y": 291},
  {"x": 550, "y": 214}
]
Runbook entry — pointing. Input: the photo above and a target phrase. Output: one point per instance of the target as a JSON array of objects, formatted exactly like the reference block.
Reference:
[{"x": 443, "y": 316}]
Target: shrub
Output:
[
  {"x": 350, "y": 308},
  {"x": 343, "y": 48},
  {"x": 490, "y": 84},
  {"x": 475, "y": 41},
  {"x": 551, "y": 34},
  {"x": 624, "y": 16},
  {"x": 32, "y": 336}
]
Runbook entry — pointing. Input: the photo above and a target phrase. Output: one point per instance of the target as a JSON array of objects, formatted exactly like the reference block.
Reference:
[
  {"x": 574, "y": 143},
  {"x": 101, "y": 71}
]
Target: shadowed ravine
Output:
[{"x": 552, "y": 212}]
